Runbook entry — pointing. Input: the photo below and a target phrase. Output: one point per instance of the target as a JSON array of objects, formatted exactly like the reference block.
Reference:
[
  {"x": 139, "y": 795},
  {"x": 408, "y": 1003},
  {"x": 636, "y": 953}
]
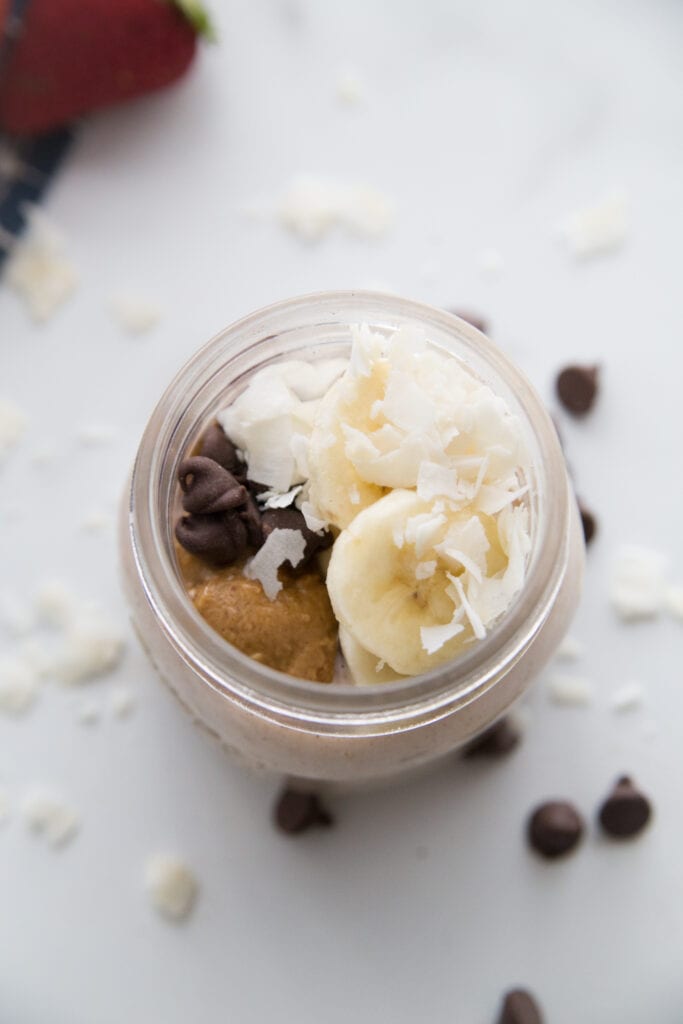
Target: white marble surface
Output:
[{"x": 486, "y": 124}]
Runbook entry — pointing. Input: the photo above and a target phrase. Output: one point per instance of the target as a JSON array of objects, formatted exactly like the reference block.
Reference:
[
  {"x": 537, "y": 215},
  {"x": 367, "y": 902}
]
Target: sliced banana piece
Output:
[
  {"x": 394, "y": 580},
  {"x": 407, "y": 415},
  {"x": 365, "y": 668},
  {"x": 337, "y": 490}
]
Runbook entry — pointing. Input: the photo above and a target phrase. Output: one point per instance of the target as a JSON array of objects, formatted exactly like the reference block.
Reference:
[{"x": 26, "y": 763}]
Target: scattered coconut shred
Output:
[
  {"x": 598, "y": 229},
  {"x": 89, "y": 644},
  {"x": 50, "y": 817},
  {"x": 19, "y": 685},
  {"x": 639, "y": 583},
  {"x": 134, "y": 313},
  {"x": 63, "y": 638},
  {"x": 570, "y": 691},
  {"x": 628, "y": 697},
  {"x": 311, "y": 208},
  {"x": 171, "y": 885},
  {"x": 12, "y": 426},
  {"x": 280, "y": 546},
  {"x": 431, "y": 428},
  {"x": 38, "y": 269}
]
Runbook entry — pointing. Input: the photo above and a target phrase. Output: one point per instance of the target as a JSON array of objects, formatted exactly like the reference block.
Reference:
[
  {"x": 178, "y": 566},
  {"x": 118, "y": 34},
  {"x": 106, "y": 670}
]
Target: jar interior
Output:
[{"x": 215, "y": 378}]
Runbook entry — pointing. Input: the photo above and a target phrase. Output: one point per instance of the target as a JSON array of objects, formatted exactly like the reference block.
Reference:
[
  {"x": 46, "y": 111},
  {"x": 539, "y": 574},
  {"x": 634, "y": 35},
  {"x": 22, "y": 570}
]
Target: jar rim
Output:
[{"x": 296, "y": 702}]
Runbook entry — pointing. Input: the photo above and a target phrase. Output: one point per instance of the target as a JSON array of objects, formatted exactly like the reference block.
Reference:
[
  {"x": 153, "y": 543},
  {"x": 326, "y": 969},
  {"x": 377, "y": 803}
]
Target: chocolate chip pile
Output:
[{"x": 224, "y": 521}]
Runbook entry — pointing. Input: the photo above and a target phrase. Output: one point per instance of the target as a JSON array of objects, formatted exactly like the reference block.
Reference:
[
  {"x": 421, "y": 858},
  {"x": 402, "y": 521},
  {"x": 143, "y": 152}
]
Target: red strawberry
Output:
[{"x": 74, "y": 56}]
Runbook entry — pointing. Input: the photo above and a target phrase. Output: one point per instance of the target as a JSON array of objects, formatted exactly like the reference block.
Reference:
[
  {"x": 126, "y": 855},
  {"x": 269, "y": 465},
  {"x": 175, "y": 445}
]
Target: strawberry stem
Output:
[{"x": 198, "y": 16}]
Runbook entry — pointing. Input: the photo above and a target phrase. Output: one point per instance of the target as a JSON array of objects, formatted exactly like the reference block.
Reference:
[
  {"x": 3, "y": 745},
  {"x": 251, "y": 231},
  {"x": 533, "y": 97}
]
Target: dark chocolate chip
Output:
[
  {"x": 293, "y": 519},
  {"x": 220, "y": 539},
  {"x": 588, "y": 522},
  {"x": 577, "y": 388},
  {"x": 499, "y": 740},
  {"x": 296, "y": 812},
  {"x": 251, "y": 517},
  {"x": 215, "y": 444},
  {"x": 554, "y": 829},
  {"x": 208, "y": 488},
  {"x": 626, "y": 811},
  {"x": 474, "y": 319},
  {"x": 520, "y": 1007}
]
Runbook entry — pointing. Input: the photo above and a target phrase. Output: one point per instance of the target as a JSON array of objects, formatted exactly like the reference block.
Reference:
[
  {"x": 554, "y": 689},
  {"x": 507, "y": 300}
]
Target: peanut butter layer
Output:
[{"x": 296, "y": 633}]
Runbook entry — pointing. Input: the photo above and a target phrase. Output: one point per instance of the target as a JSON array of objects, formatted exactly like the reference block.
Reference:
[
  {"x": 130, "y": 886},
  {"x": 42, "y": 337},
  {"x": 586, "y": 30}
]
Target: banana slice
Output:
[
  {"x": 397, "y": 580},
  {"x": 406, "y": 415},
  {"x": 337, "y": 491},
  {"x": 365, "y": 668}
]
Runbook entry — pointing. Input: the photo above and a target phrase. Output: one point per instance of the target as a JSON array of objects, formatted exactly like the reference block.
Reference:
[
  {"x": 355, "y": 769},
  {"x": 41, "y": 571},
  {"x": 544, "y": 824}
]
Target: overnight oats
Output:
[{"x": 350, "y": 543}]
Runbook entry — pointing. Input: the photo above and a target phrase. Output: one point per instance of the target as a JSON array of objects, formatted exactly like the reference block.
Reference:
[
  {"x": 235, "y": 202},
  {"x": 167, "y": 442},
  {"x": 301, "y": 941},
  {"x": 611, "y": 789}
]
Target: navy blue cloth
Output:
[{"x": 27, "y": 164}]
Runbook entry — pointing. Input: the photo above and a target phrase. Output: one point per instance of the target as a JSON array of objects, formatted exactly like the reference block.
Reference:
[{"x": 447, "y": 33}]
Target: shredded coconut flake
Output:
[
  {"x": 93, "y": 435},
  {"x": 597, "y": 229},
  {"x": 271, "y": 421},
  {"x": 272, "y": 499},
  {"x": 280, "y": 546},
  {"x": 638, "y": 586},
  {"x": 134, "y": 313},
  {"x": 570, "y": 691},
  {"x": 477, "y": 625},
  {"x": 314, "y": 520},
  {"x": 18, "y": 686},
  {"x": 12, "y": 426},
  {"x": 311, "y": 208},
  {"x": 96, "y": 522},
  {"x": 90, "y": 645},
  {"x": 121, "y": 702},
  {"x": 51, "y": 817},
  {"x": 424, "y": 570},
  {"x": 673, "y": 601},
  {"x": 570, "y": 649},
  {"x": 38, "y": 270},
  {"x": 171, "y": 885},
  {"x": 350, "y": 87},
  {"x": 490, "y": 262},
  {"x": 628, "y": 697},
  {"x": 434, "y": 637}
]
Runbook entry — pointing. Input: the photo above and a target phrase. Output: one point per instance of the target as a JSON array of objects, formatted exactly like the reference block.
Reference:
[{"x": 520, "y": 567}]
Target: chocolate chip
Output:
[
  {"x": 251, "y": 517},
  {"x": 219, "y": 538},
  {"x": 577, "y": 388},
  {"x": 520, "y": 1007},
  {"x": 296, "y": 812},
  {"x": 293, "y": 519},
  {"x": 215, "y": 444},
  {"x": 207, "y": 487},
  {"x": 554, "y": 829},
  {"x": 499, "y": 740},
  {"x": 474, "y": 319},
  {"x": 588, "y": 522},
  {"x": 626, "y": 811}
]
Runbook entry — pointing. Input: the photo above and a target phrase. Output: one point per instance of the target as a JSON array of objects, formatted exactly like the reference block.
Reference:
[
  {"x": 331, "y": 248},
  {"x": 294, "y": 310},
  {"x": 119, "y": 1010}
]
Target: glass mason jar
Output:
[{"x": 334, "y": 732}]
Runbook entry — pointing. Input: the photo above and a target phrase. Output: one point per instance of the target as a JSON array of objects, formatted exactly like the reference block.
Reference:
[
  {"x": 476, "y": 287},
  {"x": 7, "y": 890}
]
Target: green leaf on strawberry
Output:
[{"x": 198, "y": 17}]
